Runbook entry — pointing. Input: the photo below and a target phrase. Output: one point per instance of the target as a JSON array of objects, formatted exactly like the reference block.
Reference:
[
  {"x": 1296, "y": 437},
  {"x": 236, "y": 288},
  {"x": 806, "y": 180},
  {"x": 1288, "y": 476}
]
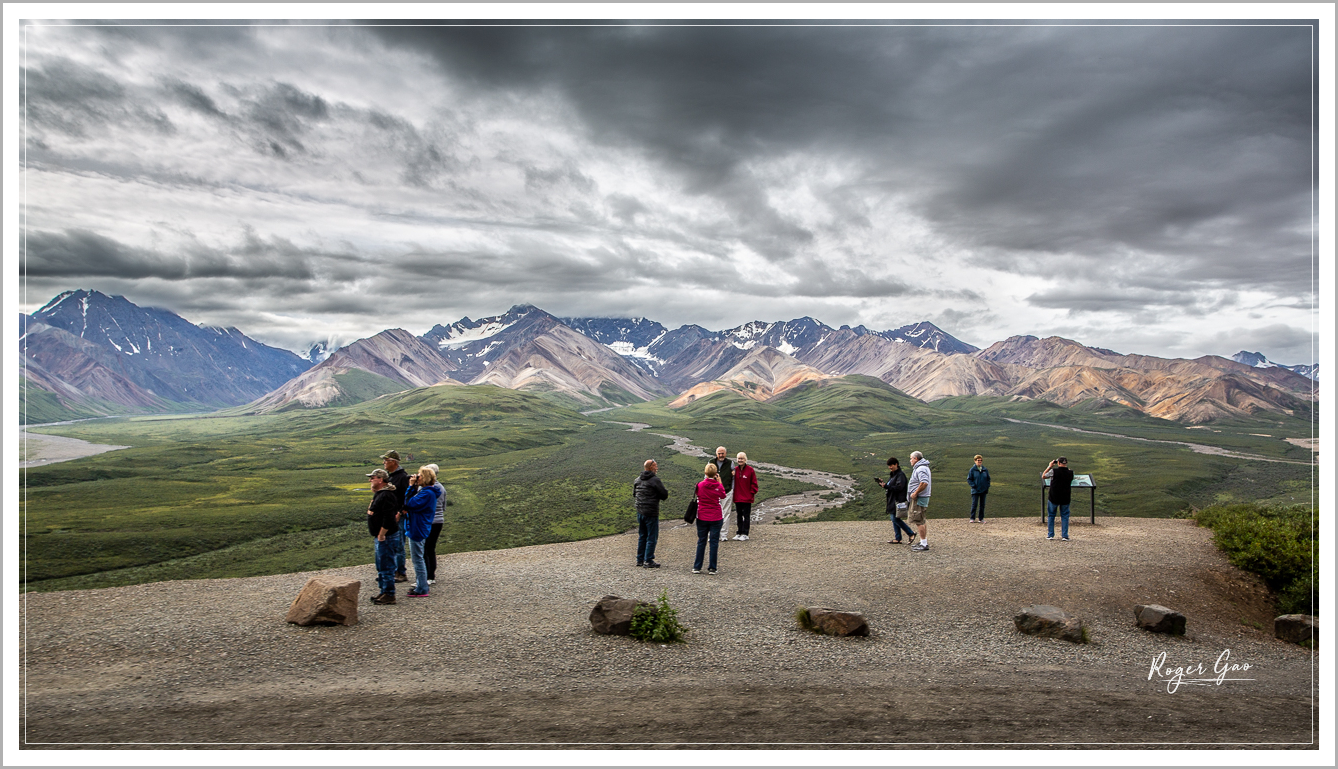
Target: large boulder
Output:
[
  {"x": 1297, "y": 628},
  {"x": 613, "y": 615},
  {"x": 1159, "y": 619},
  {"x": 326, "y": 601},
  {"x": 836, "y": 622},
  {"x": 1050, "y": 622}
]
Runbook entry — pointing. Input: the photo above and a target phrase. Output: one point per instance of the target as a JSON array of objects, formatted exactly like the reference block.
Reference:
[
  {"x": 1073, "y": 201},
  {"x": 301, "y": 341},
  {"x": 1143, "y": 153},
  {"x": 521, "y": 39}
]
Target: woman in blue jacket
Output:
[
  {"x": 979, "y": 481},
  {"x": 421, "y": 503}
]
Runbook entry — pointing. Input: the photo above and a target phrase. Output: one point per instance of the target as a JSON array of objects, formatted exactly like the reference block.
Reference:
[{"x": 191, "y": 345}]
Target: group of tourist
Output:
[
  {"x": 909, "y": 499},
  {"x": 407, "y": 511},
  {"x": 726, "y": 488},
  {"x": 405, "y": 518}
]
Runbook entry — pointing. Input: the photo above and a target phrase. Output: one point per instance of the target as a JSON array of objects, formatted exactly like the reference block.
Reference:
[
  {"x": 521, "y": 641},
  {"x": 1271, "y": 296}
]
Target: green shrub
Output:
[
  {"x": 658, "y": 624},
  {"x": 1277, "y": 543},
  {"x": 805, "y": 621}
]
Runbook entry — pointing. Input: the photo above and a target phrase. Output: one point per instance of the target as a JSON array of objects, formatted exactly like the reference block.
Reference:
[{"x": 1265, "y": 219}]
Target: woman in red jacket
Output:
[
  {"x": 710, "y": 492},
  {"x": 745, "y": 490}
]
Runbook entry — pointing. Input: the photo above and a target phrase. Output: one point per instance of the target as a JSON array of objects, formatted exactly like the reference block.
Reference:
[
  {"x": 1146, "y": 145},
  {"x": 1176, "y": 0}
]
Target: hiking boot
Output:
[
  {"x": 401, "y": 578},
  {"x": 377, "y": 598},
  {"x": 413, "y": 593},
  {"x": 385, "y": 599},
  {"x": 652, "y": 565}
]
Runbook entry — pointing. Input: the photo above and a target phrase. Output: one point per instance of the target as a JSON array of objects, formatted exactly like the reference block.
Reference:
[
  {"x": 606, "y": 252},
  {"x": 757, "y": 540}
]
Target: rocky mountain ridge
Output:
[
  {"x": 603, "y": 361},
  {"x": 1258, "y": 360},
  {"x": 112, "y": 355}
]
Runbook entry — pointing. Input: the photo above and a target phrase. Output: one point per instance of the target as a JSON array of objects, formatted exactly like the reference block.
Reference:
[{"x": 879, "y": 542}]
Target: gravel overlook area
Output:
[{"x": 501, "y": 653}]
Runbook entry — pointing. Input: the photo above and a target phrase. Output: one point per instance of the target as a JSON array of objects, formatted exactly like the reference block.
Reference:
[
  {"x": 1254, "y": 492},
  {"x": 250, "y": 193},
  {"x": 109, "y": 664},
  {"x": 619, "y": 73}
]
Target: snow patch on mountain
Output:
[
  {"x": 459, "y": 337},
  {"x": 1258, "y": 360}
]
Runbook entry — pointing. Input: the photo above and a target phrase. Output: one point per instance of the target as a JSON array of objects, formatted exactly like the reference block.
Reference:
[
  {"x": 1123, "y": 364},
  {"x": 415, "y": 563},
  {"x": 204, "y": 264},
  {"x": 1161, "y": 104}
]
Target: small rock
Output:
[
  {"x": 613, "y": 615},
  {"x": 836, "y": 622},
  {"x": 1159, "y": 619},
  {"x": 326, "y": 600},
  {"x": 1050, "y": 622},
  {"x": 1297, "y": 628}
]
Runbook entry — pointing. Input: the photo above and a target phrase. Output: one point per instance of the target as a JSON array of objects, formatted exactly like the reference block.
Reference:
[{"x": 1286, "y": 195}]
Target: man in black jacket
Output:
[
  {"x": 896, "y": 500},
  {"x": 726, "y": 469},
  {"x": 1061, "y": 493},
  {"x": 648, "y": 491},
  {"x": 383, "y": 527},
  {"x": 400, "y": 480}
]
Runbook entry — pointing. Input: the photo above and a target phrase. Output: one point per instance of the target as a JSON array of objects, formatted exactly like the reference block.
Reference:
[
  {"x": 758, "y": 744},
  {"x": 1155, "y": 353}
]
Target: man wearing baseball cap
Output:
[
  {"x": 399, "y": 479},
  {"x": 385, "y": 529}
]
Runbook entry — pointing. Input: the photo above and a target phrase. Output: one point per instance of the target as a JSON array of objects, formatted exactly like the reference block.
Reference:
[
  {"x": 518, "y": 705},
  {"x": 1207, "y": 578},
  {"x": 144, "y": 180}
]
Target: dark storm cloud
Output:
[
  {"x": 192, "y": 96},
  {"x": 78, "y": 253},
  {"x": 62, "y": 95},
  {"x": 1178, "y": 142}
]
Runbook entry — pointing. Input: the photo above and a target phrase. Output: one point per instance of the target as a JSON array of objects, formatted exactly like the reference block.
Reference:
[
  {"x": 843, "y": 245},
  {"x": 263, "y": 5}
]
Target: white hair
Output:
[{"x": 916, "y": 456}]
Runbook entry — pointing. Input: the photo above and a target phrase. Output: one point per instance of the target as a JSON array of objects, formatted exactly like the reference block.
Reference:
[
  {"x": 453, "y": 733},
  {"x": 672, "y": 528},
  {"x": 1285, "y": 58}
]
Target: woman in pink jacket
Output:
[{"x": 710, "y": 492}]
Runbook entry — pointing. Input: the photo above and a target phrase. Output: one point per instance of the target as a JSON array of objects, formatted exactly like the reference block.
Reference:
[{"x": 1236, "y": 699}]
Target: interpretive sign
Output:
[{"x": 1084, "y": 481}]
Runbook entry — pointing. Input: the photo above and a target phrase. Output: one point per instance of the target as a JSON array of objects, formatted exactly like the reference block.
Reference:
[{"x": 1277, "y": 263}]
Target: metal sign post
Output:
[{"x": 1085, "y": 481}]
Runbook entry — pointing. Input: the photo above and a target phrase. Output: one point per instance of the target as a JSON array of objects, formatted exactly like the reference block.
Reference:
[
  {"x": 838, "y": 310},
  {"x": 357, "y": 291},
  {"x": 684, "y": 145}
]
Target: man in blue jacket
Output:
[{"x": 979, "y": 481}]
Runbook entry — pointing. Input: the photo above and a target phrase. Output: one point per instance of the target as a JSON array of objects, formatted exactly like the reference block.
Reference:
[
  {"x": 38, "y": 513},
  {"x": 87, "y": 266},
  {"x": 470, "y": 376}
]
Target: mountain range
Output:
[{"x": 88, "y": 354}]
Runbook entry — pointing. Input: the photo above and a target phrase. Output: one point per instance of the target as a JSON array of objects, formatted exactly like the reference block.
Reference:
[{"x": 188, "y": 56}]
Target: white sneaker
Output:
[
  {"x": 742, "y": 537},
  {"x": 431, "y": 582},
  {"x": 737, "y": 537}
]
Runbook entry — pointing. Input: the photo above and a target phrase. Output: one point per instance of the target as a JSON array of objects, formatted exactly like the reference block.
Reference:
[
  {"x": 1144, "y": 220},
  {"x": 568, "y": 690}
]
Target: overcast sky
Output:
[{"x": 1142, "y": 188}]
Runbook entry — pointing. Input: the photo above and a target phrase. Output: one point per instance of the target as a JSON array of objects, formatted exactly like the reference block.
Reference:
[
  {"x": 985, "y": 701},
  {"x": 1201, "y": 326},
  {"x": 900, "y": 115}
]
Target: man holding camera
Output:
[{"x": 1061, "y": 493}]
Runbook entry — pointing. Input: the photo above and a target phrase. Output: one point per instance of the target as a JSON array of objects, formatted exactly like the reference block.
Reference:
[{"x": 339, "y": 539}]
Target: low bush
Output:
[
  {"x": 805, "y": 621},
  {"x": 1277, "y": 543},
  {"x": 659, "y": 624}
]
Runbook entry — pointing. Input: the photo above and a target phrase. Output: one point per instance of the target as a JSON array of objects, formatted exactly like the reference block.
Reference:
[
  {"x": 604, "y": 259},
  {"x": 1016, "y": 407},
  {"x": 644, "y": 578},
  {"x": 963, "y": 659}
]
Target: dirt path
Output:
[
  {"x": 501, "y": 654},
  {"x": 1197, "y": 448}
]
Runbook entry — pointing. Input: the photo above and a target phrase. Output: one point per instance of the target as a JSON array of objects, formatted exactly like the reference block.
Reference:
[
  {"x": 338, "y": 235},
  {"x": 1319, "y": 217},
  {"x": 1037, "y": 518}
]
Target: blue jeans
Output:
[
  {"x": 385, "y": 561},
  {"x": 647, "y": 534},
  {"x": 419, "y": 563},
  {"x": 899, "y": 525},
  {"x": 403, "y": 552},
  {"x": 705, "y": 529},
  {"x": 1063, "y": 514},
  {"x": 978, "y": 499}
]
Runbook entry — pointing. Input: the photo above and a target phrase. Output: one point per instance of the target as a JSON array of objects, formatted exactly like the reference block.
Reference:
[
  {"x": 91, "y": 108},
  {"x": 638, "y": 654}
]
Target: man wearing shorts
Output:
[{"x": 920, "y": 486}]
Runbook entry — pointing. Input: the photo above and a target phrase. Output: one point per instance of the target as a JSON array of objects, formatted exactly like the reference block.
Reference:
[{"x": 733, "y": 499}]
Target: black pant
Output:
[
  {"x": 978, "y": 498},
  {"x": 743, "y": 512},
  {"x": 430, "y": 551}
]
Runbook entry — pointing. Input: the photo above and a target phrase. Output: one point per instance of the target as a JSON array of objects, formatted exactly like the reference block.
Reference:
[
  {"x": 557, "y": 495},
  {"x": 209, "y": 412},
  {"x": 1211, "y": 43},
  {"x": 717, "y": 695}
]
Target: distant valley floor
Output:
[{"x": 502, "y": 652}]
